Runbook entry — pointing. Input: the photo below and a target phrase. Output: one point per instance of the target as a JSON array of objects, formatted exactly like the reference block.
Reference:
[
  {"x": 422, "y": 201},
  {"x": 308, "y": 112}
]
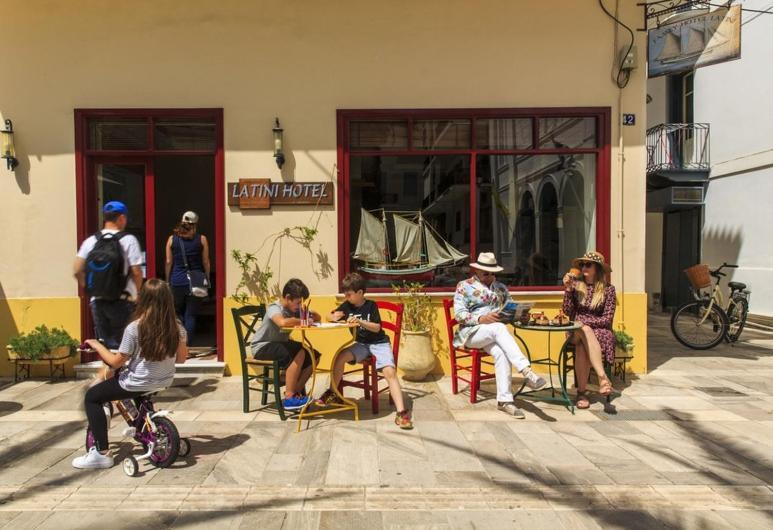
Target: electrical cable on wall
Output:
[{"x": 623, "y": 76}]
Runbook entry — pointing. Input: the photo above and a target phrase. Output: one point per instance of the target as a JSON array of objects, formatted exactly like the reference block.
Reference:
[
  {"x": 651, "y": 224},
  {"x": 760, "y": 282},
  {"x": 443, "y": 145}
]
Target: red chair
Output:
[
  {"x": 370, "y": 376},
  {"x": 478, "y": 358}
]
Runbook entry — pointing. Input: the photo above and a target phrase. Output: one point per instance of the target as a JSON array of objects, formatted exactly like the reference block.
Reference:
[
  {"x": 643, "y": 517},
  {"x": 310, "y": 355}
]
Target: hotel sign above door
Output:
[{"x": 262, "y": 193}]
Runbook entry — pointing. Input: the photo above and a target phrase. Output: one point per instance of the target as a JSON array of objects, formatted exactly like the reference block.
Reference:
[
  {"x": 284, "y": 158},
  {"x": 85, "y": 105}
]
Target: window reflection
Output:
[{"x": 536, "y": 213}]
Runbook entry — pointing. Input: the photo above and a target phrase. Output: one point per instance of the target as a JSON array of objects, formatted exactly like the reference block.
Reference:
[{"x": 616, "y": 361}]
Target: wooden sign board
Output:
[{"x": 262, "y": 193}]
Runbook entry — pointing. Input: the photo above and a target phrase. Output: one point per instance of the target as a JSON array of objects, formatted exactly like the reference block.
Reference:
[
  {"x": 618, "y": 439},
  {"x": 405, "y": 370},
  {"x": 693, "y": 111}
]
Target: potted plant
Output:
[
  {"x": 624, "y": 342},
  {"x": 416, "y": 356},
  {"x": 41, "y": 346}
]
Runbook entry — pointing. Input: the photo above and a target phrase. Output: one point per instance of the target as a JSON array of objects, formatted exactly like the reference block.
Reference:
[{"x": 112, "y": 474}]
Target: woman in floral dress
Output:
[{"x": 590, "y": 301}]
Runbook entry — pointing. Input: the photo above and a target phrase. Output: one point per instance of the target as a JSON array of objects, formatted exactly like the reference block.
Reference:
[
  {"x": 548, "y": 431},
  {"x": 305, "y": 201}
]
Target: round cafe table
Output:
[
  {"x": 347, "y": 404},
  {"x": 557, "y": 394}
]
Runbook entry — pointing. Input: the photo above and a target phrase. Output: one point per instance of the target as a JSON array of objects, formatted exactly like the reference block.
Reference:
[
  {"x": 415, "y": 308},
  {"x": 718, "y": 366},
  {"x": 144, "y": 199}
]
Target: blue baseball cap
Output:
[{"x": 115, "y": 207}]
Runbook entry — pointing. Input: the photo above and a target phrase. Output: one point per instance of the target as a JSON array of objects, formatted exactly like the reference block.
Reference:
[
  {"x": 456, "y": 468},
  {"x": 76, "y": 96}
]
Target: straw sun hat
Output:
[
  {"x": 592, "y": 257},
  {"x": 487, "y": 261}
]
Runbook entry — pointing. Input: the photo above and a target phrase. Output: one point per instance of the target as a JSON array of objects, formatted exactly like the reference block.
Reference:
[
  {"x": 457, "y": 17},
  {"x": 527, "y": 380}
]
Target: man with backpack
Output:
[{"x": 108, "y": 266}]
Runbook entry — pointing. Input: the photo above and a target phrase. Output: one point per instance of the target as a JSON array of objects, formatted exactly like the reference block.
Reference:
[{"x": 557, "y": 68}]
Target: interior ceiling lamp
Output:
[
  {"x": 6, "y": 146},
  {"x": 278, "y": 154}
]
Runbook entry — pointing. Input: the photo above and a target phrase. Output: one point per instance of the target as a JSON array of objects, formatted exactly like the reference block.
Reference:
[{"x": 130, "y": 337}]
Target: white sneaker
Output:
[
  {"x": 511, "y": 409},
  {"x": 93, "y": 460},
  {"x": 534, "y": 381}
]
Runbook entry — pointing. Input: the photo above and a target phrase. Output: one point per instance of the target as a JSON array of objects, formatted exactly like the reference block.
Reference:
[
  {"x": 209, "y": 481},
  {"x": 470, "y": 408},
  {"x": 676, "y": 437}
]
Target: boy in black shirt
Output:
[{"x": 369, "y": 341}]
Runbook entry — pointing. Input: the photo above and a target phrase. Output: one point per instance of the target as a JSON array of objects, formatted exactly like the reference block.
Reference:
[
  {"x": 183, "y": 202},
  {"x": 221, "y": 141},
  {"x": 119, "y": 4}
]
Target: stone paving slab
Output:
[{"x": 679, "y": 449}]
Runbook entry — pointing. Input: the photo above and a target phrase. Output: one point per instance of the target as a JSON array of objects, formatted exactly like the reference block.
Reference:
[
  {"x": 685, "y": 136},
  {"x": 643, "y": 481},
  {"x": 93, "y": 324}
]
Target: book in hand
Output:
[{"x": 513, "y": 311}]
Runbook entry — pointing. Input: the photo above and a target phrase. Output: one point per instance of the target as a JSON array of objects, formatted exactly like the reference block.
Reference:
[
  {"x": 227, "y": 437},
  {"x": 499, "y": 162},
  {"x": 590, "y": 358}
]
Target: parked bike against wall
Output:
[{"x": 707, "y": 321}]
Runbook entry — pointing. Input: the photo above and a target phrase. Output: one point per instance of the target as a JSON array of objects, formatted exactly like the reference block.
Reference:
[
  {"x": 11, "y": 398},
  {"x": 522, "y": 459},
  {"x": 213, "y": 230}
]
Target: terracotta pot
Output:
[
  {"x": 62, "y": 353},
  {"x": 416, "y": 357}
]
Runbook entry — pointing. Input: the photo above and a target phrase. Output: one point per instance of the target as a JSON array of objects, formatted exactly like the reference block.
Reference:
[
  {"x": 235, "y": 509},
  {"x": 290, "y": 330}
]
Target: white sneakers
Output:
[
  {"x": 533, "y": 381},
  {"x": 510, "y": 409},
  {"x": 93, "y": 460}
]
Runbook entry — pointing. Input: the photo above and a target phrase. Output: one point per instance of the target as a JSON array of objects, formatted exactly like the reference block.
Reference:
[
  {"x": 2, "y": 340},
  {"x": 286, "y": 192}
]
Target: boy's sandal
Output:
[
  {"x": 403, "y": 420},
  {"x": 582, "y": 401}
]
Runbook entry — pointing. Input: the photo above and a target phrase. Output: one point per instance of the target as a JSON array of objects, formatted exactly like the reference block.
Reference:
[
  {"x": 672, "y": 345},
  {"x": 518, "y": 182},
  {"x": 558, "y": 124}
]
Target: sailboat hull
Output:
[{"x": 425, "y": 273}]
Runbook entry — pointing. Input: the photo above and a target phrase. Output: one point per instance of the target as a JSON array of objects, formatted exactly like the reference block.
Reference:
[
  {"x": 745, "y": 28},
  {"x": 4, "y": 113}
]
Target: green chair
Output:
[{"x": 246, "y": 320}]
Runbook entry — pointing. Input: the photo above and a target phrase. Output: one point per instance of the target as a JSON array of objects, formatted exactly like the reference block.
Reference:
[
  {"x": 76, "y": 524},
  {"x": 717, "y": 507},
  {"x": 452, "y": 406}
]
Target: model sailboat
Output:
[{"x": 419, "y": 250}]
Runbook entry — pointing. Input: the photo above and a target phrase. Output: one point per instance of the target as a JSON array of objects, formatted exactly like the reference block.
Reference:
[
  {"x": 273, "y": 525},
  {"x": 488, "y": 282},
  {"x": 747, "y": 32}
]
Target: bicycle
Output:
[
  {"x": 157, "y": 434},
  {"x": 705, "y": 322}
]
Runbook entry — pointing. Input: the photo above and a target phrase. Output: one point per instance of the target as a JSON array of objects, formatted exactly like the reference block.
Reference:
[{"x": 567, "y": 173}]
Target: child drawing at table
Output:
[
  {"x": 271, "y": 342},
  {"x": 370, "y": 341}
]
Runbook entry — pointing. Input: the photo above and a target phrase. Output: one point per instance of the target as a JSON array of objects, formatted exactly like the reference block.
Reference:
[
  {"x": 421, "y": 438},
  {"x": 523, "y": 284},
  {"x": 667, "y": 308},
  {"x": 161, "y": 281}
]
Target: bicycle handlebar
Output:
[{"x": 724, "y": 265}]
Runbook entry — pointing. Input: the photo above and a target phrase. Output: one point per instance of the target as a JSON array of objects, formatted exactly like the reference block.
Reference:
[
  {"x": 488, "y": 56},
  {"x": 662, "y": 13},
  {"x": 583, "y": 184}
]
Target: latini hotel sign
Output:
[{"x": 262, "y": 193}]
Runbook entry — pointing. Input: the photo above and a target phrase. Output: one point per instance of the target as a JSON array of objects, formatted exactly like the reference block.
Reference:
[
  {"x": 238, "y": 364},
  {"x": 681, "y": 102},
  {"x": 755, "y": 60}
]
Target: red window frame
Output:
[
  {"x": 602, "y": 152},
  {"x": 84, "y": 157}
]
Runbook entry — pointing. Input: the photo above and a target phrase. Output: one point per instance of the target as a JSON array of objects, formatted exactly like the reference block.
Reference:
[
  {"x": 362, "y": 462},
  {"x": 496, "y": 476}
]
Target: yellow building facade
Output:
[{"x": 499, "y": 122}]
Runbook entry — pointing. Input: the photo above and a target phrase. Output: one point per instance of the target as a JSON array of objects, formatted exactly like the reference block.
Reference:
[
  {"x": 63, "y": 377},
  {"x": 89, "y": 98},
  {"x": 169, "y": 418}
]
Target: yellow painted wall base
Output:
[
  {"x": 327, "y": 342},
  {"x": 20, "y": 315},
  {"x": 23, "y": 314}
]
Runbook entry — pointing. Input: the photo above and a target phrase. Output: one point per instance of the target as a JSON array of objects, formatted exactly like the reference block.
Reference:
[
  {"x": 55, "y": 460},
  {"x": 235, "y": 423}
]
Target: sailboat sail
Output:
[
  {"x": 372, "y": 239},
  {"x": 407, "y": 241},
  {"x": 440, "y": 252}
]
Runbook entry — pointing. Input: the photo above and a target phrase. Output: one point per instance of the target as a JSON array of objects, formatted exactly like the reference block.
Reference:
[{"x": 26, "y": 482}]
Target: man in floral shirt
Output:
[{"x": 476, "y": 303}]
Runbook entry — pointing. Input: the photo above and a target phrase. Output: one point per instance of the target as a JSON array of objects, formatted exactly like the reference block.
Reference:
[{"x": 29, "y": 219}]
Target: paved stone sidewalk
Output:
[{"x": 689, "y": 445}]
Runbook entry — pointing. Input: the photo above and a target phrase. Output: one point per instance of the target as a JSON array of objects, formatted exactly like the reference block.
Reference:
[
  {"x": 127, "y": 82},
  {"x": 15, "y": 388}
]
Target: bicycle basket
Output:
[{"x": 699, "y": 276}]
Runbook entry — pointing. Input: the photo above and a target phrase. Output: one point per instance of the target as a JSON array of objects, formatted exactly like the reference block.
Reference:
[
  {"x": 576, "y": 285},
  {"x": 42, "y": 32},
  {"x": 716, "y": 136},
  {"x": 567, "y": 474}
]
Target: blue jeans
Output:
[
  {"x": 110, "y": 319},
  {"x": 187, "y": 307}
]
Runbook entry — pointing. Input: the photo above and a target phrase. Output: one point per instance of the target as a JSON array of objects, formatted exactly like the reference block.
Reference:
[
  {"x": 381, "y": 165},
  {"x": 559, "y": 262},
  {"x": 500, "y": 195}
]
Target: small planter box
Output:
[
  {"x": 621, "y": 360},
  {"x": 55, "y": 360}
]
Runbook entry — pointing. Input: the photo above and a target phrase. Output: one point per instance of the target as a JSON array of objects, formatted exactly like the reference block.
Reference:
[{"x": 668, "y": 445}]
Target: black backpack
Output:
[{"x": 104, "y": 267}]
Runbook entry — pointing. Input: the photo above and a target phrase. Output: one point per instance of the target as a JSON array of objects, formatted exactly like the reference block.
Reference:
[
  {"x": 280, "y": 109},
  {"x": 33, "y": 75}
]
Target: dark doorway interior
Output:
[
  {"x": 185, "y": 183},
  {"x": 681, "y": 249}
]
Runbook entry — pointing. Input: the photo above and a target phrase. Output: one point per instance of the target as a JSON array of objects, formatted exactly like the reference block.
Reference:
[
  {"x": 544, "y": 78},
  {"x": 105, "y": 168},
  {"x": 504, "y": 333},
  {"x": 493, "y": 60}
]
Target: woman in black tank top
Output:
[{"x": 196, "y": 247}]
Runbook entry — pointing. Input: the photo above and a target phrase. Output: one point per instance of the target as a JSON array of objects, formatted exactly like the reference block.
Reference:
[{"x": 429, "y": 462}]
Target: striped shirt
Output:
[{"x": 141, "y": 375}]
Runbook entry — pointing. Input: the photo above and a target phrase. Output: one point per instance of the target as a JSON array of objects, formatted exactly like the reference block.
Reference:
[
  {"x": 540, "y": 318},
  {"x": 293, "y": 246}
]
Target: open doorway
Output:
[
  {"x": 161, "y": 163},
  {"x": 184, "y": 183}
]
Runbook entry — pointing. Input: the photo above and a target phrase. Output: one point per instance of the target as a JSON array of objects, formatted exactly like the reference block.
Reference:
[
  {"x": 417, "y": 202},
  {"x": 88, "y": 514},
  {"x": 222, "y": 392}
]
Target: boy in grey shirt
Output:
[{"x": 270, "y": 342}]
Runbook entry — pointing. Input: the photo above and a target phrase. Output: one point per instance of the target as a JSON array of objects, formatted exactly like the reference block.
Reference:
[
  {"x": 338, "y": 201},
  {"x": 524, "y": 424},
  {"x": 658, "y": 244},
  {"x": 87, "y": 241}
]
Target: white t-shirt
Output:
[
  {"x": 131, "y": 251},
  {"x": 141, "y": 375}
]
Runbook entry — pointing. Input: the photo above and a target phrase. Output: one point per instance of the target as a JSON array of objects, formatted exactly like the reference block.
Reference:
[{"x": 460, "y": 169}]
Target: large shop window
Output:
[{"x": 426, "y": 193}]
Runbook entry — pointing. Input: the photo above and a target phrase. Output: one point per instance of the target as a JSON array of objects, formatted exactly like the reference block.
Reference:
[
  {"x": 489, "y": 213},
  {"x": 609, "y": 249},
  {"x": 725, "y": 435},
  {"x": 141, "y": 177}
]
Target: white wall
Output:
[
  {"x": 736, "y": 98},
  {"x": 657, "y": 107}
]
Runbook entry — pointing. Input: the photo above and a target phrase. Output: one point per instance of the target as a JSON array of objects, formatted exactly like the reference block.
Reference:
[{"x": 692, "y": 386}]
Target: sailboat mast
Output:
[
  {"x": 388, "y": 256},
  {"x": 423, "y": 244}
]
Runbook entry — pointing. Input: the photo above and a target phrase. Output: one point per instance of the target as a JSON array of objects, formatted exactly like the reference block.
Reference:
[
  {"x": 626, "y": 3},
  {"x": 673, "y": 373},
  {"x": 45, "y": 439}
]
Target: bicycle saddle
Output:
[{"x": 736, "y": 286}]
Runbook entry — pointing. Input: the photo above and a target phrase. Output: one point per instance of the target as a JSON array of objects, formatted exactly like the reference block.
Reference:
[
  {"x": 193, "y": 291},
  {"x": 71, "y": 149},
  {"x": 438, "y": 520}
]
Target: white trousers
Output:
[{"x": 495, "y": 340}]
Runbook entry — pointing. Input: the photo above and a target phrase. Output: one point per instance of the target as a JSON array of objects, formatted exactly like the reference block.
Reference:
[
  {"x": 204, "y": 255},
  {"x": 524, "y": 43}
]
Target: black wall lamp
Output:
[
  {"x": 6, "y": 146},
  {"x": 278, "y": 154}
]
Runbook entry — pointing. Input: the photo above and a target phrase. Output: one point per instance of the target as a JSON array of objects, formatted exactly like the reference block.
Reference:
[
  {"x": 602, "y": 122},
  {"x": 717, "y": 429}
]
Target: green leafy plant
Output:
[
  {"x": 254, "y": 280},
  {"x": 418, "y": 314},
  {"x": 624, "y": 341},
  {"x": 41, "y": 341}
]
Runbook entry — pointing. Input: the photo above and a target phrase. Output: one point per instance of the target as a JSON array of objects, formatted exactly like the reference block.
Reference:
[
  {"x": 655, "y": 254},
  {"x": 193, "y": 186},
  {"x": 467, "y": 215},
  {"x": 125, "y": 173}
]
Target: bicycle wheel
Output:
[
  {"x": 695, "y": 329},
  {"x": 167, "y": 443},
  {"x": 736, "y": 317}
]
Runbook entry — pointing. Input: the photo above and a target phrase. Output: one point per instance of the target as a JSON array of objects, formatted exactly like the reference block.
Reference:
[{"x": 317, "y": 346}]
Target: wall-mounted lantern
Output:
[
  {"x": 278, "y": 154},
  {"x": 7, "y": 149}
]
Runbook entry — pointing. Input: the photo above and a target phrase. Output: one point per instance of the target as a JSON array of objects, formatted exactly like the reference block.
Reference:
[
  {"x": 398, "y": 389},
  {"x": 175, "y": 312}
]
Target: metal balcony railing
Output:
[{"x": 679, "y": 147}]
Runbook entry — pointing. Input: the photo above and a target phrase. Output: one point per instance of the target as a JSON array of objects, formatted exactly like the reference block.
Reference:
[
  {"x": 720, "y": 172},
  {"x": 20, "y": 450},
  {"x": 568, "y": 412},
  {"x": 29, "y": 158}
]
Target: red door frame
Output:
[
  {"x": 602, "y": 152},
  {"x": 85, "y": 158}
]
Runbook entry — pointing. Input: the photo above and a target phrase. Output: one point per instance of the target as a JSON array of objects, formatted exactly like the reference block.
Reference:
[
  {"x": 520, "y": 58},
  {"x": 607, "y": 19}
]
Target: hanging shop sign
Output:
[
  {"x": 690, "y": 43},
  {"x": 262, "y": 193}
]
